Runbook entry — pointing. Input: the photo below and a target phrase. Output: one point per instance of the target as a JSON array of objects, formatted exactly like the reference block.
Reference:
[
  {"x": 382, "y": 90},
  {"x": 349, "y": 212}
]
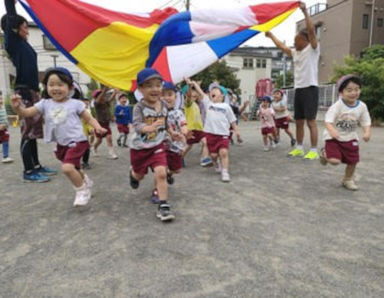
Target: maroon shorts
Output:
[
  {"x": 4, "y": 136},
  {"x": 106, "y": 126},
  {"x": 282, "y": 123},
  {"x": 143, "y": 159},
  {"x": 72, "y": 153},
  {"x": 174, "y": 160},
  {"x": 267, "y": 130},
  {"x": 346, "y": 152},
  {"x": 123, "y": 128},
  {"x": 216, "y": 142},
  {"x": 197, "y": 136}
]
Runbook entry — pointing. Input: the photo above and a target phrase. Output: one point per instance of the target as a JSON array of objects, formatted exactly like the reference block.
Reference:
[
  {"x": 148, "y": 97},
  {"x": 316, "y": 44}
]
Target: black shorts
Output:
[{"x": 306, "y": 103}]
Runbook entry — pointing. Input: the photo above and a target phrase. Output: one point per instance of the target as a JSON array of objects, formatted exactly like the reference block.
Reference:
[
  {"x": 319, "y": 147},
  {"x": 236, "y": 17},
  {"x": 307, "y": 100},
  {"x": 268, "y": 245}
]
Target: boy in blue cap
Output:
[{"x": 267, "y": 114}]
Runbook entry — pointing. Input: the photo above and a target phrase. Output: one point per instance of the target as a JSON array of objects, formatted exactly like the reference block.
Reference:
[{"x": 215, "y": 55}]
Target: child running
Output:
[
  {"x": 123, "y": 119},
  {"x": 147, "y": 142},
  {"x": 266, "y": 115},
  {"x": 103, "y": 115},
  {"x": 63, "y": 125},
  {"x": 279, "y": 105},
  {"x": 4, "y": 134},
  {"x": 341, "y": 122},
  {"x": 219, "y": 119}
]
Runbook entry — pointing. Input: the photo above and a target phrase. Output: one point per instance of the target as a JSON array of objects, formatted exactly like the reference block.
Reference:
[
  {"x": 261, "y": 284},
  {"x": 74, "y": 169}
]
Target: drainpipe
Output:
[{"x": 372, "y": 23}]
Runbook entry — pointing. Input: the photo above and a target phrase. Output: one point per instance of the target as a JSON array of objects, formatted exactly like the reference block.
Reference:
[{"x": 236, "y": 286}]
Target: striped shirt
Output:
[{"x": 3, "y": 116}]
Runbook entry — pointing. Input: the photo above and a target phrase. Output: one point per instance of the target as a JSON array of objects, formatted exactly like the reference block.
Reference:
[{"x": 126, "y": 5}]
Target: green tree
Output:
[
  {"x": 370, "y": 68},
  {"x": 288, "y": 80},
  {"x": 220, "y": 72}
]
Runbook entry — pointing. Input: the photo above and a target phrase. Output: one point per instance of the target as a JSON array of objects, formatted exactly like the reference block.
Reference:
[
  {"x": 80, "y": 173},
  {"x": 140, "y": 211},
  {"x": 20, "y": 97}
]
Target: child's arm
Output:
[
  {"x": 196, "y": 87},
  {"x": 243, "y": 107},
  {"x": 19, "y": 110},
  {"x": 112, "y": 95},
  {"x": 101, "y": 96},
  {"x": 332, "y": 130},
  {"x": 236, "y": 130},
  {"x": 367, "y": 133},
  {"x": 87, "y": 117}
]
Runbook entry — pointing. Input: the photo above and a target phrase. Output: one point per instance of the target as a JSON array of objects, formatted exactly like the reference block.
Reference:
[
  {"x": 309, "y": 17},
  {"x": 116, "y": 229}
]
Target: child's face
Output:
[
  {"x": 57, "y": 89},
  {"x": 23, "y": 31},
  {"x": 277, "y": 96},
  {"x": 123, "y": 100},
  {"x": 351, "y": 93},
  {"x": 192, "y": 95},
  {"x": 170, "y": 97},
  {"x": 151, "y": 90},
  {"x": 216, "y": 95},
  {"x": 265, "y": 104}
]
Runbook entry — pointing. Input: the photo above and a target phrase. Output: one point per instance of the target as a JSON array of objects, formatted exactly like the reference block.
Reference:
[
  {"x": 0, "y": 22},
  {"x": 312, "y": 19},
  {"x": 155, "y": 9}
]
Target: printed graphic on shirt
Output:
[
  {"x": 347, "y": 122},
  {"x": 58, "y": 115},
  {"x": 175, "y": 121},
  {"x": 149, "y": 120}
]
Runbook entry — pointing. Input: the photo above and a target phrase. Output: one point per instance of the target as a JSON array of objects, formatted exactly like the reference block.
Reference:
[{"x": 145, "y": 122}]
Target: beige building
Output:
[{"x": 345, "y": 27}]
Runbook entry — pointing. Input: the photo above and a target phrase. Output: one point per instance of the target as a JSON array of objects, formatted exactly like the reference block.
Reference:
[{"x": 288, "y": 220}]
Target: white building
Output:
[
  {"x": 249, "y": 67},
  {"x": 47, "y": 56}
]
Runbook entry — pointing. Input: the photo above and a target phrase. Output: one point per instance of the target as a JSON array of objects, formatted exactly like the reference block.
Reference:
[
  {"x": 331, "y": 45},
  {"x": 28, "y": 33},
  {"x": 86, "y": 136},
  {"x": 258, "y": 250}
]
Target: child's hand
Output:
[
  {"x": 15, "y": 101},
  {"x": 177, "y": 136},
  {"x": 334, "y": 134},
  {"x": 101, "y": 131},
  {"x": 190, "y": 135},
  {"x": 239, "y": 139},
  {"x": 366, "y": 136},
  {"x": 303, "y": 6},
  {"x": 268, "y": 34},
  {"x": 158, "y": 122}
]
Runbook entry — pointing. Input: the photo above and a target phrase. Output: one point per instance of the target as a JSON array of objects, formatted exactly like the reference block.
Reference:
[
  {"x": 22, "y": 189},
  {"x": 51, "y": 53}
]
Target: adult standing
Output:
[
  {"x": 24, "y": 58},
  {"x": 305, "y": 60}
]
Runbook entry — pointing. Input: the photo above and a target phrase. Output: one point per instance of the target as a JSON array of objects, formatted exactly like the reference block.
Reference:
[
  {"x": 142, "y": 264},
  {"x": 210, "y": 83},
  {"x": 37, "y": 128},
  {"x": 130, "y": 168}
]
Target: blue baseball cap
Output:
[
  {"x": 147, "y": 74},
  {"x": 267, "y": 98},
  {"x": 58, "y": 69},
  {"x": 169, "y": 86}
]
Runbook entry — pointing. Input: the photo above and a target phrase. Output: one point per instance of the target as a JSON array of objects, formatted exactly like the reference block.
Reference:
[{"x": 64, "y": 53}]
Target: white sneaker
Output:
[
  {"x": 83, "y": 194},
  {"x": 273, "y": 145},
  {"x": 225, "y": 176},
  {"x": 266, "y": 148},
  {"x": 350, "y": 184},
  {"x": 7, "y": 160},
  {"x": 218, "y": 166},
  {"x": 112, "y": 155},
  {"x": 95, "y": 153},
  {"x": 88, "y": 181}
]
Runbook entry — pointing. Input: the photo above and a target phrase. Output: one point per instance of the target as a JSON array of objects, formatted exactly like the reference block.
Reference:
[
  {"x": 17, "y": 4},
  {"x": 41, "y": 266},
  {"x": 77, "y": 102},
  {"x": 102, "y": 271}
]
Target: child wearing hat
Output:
[
  {"x": 4, "y": 134},
  {"x": 147, "y": 147},
  {"x": 267, "y": 114},
  {"x": 341, "y": 122},
  {"x": 123, "y": 119}
]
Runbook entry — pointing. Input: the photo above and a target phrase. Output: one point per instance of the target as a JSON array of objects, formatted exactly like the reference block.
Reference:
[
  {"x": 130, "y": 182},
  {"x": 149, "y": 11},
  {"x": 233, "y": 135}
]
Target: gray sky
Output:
[{"x": 284, "y": 31}]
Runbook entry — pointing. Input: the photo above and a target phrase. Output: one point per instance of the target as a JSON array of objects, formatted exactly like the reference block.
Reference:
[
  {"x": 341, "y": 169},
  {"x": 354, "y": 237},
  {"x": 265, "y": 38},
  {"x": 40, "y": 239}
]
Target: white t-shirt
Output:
[
  {"x": 219, "y": 117},
  {"x": 346, "y": 119},
  {"x": 306, "y": 64},
  {"x": 280, "y": 104},
  {"x": 62, "y": 121}
]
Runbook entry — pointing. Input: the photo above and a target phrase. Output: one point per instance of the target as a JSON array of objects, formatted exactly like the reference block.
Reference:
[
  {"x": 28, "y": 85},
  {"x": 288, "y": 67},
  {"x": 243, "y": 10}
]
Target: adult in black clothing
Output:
[{"x": 24, "y": 58}]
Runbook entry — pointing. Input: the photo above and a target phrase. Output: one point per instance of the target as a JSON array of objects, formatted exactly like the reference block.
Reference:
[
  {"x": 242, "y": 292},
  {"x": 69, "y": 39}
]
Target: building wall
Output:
[{"x": 248, "y": 76}]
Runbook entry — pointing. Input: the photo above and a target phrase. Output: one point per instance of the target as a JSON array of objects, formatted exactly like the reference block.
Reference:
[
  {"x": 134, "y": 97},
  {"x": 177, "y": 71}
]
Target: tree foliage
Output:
[
  {"x": 370, "y": 68},
  {"x": 288, "y": 80},
  {"x": 220, "y": 72}
]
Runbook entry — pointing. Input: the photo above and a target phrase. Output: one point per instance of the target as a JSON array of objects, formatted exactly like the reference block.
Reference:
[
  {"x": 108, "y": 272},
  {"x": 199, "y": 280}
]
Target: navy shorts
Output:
[{"x": 306, "y": 103}]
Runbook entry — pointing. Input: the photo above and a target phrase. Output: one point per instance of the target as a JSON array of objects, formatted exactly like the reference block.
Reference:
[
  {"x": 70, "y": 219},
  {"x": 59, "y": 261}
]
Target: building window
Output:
[
  {"x": 247, "y": 63},
  {"x": 48, "y": 45},
  {"x": 365, "y": 21},
  {"x": 318, "y": 31},
  {"x": 379, "y": 22},
  {"x": 264, "y": 63}
]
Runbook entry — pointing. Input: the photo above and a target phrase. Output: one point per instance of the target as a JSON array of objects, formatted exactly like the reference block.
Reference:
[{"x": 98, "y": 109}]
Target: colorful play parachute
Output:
[{"x": 112, "y": 47}]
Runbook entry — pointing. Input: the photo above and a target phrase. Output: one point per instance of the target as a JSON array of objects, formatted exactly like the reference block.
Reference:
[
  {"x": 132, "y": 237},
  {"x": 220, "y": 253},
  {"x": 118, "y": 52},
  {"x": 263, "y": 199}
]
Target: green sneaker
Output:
[
  {"x": 296, "y": 152},
  {"x": 312, "y": 155}
]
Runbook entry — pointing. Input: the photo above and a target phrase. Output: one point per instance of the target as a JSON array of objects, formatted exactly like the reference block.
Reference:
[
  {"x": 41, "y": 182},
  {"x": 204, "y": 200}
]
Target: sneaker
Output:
[
  {"x": 83, "y": 194},
  {"x": 311, "y": 155},
  {"x": 164, "y": 212},
  {"x": 170, "y": 179},
  {"x": 218, "y": 168},
  {"x": 155, "y": 197},
  {"x": 349, "y": 184},
  {"x": 119, "y": 142},
  {"x": 240, "y": 140},
  {"x": 125, "y": 146},
  {"x": 88, "y": 181},
  {"x": 293, "y": 142},
  {"x": 322, "y": 159},
  {"x": 34, "y": 176},
  {"x": 273, "y": 145},
  {"x": 95, "y": 153},
  {"x": 266, "y": 148},
  {"x": 7, "y": 160},
  {"x": 296, "y": 152},
  {"x": 225, "y": 176},
  {"x": 85, "y": 166},
  {"x": 206, "y": 162},
  {"x": 113, "y": 156},
  {"x": 46, "y": 171},
  {"x": 133, "y": 182}
]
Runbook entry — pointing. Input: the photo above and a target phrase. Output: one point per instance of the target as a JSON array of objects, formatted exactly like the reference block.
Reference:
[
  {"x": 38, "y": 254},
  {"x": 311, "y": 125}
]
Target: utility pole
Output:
[
  {"x": 372, "y": 23},
  {"x": 188, "y": 4},
  {"x": 54, "y": 59}
]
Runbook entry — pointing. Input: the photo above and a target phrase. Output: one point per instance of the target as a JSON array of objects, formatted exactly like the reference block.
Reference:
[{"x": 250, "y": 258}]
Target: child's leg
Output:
[
  {"x": 277, "y": 134},
  {"x": 86, "y": 156},
  {"x": 271, "y": 138},
  {"x": 91, "y": 137},
  {"x": 349, "y": 171},
  {"x": 35, "y": 154},
  {"x": 288, "y": 132},
  {"x": 204, "y": 152},
  {"x": 265, "y": 140},
  {"x": 5, "y": 149},
  {"x": 224, "y": 158},
  {"x": 214, "y": 156},
  {"x": 74, "y": 175},
  {"x": 161, "y": 182},
  {"x": 125, "y": 139},
  {"x": 186, "y": 150},
  {"x": 98, "y": 142}
]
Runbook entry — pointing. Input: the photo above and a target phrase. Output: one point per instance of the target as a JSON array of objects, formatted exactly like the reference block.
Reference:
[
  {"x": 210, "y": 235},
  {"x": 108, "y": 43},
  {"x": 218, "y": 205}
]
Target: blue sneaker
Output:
[
  {"x": 46, "y": 171},
  {"x": 35, "y": 177},
  {"x": 206, "y": 162}
]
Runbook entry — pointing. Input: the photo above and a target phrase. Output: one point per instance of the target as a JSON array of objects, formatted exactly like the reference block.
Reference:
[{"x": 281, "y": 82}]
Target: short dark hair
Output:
[
  {"x": 353, "y": 79},
  {"x": 304, "y": 33},
  {"x": 18, "y": 21},
  {"x": 62, "y": 76}
]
